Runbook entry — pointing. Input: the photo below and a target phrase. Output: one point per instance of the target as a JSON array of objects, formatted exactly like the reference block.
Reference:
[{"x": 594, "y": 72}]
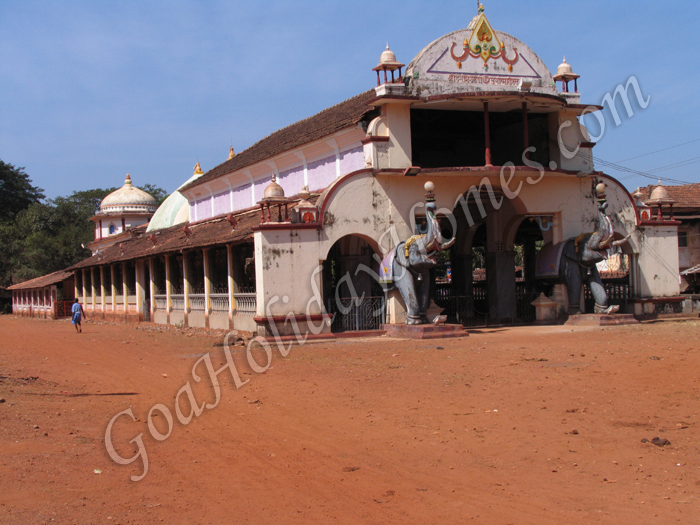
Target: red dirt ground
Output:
[{"x": 520, "y": 425}]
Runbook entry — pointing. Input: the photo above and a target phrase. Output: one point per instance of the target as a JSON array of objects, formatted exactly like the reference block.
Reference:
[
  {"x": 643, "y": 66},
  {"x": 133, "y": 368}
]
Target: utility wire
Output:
[
  {"x": 678, "y": 164},
  {"x": 658, "y": 151},
  {"x": 634, "y": 172}
]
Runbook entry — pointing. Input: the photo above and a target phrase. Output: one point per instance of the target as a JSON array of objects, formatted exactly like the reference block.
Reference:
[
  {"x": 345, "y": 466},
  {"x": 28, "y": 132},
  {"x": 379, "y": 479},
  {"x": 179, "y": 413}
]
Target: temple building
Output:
[
  {"x": 121, "y": 211},
  {"x": 292, "y": 230}
]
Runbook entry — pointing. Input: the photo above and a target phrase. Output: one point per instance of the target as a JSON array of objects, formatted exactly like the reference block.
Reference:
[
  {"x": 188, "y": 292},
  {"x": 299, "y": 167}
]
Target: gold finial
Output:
[
  {"x": 128, "y": 179},
  {"x": 198, "y": 169},
  {"x": 231, "y": 153},
  {"x": 481, "y": 8}
]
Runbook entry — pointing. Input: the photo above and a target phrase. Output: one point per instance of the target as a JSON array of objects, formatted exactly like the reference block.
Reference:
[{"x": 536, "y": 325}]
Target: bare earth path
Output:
[{"x": 522, "y": 425}]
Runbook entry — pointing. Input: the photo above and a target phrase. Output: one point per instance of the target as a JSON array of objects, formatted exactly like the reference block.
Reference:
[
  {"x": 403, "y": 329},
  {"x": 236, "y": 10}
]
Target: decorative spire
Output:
[
  {"x": 128, "y": 179},
  {"x": 481, "y": 8},
  {"x": 198, "y": 169},
  {"x": 231, "y": 153}
]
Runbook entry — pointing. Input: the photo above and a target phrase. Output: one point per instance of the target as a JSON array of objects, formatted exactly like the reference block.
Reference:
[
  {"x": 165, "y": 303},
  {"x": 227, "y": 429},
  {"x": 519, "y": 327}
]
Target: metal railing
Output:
[
  {"x": 348, "y": 315},
  {"x": 246, "y": 303},
  {"x": 618, "y": 291}
]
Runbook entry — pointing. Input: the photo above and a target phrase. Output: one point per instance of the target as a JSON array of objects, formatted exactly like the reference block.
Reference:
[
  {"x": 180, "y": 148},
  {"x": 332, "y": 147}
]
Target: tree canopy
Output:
[
  {"x": 16, "y": 191},
  {"x": 39, "y": 235}
]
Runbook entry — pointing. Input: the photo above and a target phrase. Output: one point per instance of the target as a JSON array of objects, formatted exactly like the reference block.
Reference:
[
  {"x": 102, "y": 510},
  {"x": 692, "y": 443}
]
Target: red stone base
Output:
[
  {"x": 600, "y": 319},
  {"x": 425, "y": 331}
]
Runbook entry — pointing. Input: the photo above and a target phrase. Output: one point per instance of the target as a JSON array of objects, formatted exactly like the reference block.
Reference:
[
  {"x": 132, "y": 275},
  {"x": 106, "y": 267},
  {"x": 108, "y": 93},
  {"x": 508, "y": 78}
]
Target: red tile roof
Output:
[
  {"x": 686, "y": 195},
  {"x": 215, "y": 231},
  {"x": 328, "y": 121},
  {"x": 44, "y": 280}
]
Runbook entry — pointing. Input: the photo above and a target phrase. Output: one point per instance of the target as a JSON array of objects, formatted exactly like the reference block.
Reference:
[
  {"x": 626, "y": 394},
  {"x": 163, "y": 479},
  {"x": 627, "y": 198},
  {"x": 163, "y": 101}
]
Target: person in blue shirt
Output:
[{"x": 78, "y": 313}]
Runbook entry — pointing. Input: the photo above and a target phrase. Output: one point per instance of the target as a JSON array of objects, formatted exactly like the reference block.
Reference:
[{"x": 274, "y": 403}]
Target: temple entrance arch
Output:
[
  {"x": 483, "y": 259},
  {"x": 351, "y": 291}
]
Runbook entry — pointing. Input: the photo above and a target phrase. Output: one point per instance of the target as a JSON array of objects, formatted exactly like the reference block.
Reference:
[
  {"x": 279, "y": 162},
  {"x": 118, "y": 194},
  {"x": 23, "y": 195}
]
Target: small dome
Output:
[
  {"x": 387, "y": 61},
  {"x": 231, "y": 153},
  {"x": 273, "y": 191},
  {"x": 128, "y": 198},
  {"x": 564, "y": 68},
  {"x": 388, "y": 56},
  {"x": 660, "y": 195},
  {"x": 198, "y": 169}
]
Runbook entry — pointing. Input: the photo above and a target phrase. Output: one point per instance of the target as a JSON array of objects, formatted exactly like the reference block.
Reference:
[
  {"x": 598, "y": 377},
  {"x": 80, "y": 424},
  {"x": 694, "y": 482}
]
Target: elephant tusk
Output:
[
  {"x": 622, "y": 241},
  {"x": 446, "y": 245},
  {"x": 606, "y": 243}
]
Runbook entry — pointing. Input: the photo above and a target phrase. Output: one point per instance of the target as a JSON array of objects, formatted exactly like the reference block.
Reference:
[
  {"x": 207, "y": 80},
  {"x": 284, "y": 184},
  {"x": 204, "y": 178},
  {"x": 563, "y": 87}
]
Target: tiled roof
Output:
[
  {"x": 44, "y": 280},
  {"x": 216, "y": 231},
  {"x": 174, "y": 239},
  {"x": 328, "y": 121},
  {"x": 686, "y": 195}
]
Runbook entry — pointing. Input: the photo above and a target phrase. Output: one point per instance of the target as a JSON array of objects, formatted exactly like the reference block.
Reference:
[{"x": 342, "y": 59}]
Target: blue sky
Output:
[{"x": 92, "y": 90}]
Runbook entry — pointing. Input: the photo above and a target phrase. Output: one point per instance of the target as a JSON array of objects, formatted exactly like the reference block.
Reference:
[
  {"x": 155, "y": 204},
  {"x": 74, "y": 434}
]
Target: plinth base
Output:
[
  {"x": 600, "y": 319},
  {"x": 425, "y": 331}
]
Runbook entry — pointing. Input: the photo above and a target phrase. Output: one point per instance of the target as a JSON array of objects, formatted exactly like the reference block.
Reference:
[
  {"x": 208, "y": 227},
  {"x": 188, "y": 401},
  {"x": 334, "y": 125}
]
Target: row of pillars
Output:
[{"x": 146, "y": 311}]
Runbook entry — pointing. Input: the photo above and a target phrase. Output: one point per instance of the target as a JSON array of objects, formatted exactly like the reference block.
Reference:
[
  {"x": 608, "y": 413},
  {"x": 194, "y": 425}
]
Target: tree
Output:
[
  {"x": 158, "y": 193},
  {"x": 16, "y": 191},
  {"x": 37, "y": 237}
]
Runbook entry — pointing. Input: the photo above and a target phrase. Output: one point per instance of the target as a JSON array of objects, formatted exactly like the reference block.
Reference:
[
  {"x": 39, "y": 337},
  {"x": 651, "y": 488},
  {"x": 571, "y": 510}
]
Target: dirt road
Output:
[{"x": 521, "y": 425}]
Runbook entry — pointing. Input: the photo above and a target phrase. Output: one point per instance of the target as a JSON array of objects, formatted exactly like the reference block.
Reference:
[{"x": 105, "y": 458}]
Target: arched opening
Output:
[
  {"x": 112, "y": 229},
  {"x": 482, "y": 261},
  {"x": 351, "y": 292},
  {"x": 528, "y": 241}
]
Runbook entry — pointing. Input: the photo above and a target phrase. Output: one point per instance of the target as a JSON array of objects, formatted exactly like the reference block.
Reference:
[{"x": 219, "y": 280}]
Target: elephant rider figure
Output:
[
  {"x": 407, "y": 266},
  {"x": 573, "y": 261}
]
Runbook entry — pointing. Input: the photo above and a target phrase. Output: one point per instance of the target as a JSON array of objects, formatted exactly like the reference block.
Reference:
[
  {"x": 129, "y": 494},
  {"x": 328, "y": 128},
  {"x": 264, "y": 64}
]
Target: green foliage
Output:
[
  {"x": 16, "y": 191},
  {"x": 158, "y": 193},
  {"x": 37, "y": 237}
]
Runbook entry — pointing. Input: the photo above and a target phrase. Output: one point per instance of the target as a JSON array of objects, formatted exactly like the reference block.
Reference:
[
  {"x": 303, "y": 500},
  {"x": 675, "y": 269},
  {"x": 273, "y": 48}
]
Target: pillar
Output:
[
  {"x": 113, "y": 286},
  {"x": 125, "y": 290},
  {"x": 487, "y": 135},
  {"x": 185, "y": 286},
  {"x": 526, "y": 134},
  {"x": 207, "y": 285},
  {"x": 76, "y": 292},
  {"x": 102, "y": 289},
  {"x": 92, "y": 287},
  {"x": 168, "y": 287},
  {"x": 529, "y": 262},
  {"x": 231, "y": 283},
  {"x": 500, "y": 273},
  {"x": 140, "y": 292},
  {"x": 83, "y": 274},
  {"x": 152, "y": 288}
]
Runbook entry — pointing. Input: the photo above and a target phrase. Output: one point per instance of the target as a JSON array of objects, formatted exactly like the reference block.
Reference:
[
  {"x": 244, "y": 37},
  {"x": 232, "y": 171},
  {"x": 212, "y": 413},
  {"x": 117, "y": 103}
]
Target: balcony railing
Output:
[
  {"x": 178, "y": 302},
  {"x": 161, "y": 302},
  {"x": 246, "y": 303},
  {"x": 219, "y": 303},
  {"x": 197, "y": 302}
]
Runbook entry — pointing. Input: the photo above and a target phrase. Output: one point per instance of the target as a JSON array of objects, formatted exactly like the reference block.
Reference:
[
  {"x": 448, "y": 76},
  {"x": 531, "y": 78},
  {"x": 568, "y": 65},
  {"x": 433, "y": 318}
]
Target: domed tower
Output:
[{"x": 120, "y": 211}]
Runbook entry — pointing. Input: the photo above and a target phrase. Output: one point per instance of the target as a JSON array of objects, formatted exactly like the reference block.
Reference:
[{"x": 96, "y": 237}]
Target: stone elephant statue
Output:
[
  {"x": 573, "y": 262},
  {"x": 407, "y": 266}
]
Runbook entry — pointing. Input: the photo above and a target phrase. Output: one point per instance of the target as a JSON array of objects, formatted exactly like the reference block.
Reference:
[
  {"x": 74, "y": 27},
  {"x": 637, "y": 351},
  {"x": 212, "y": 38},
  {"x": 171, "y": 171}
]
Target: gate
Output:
[
  {"x": 349, "y": 316},
  {"x": 62, "y": 308},
  {"x": 618, "y": 291}
]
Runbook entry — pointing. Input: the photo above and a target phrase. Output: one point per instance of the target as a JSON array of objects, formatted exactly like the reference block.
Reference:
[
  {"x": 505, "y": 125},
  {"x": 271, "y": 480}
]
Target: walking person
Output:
[{"x": 78, "y": 313}]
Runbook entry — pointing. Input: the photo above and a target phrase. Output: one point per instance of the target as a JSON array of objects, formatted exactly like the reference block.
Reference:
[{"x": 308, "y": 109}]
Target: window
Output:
[
  {"x": 682, "y": 239},
  {"x": 112, "y": 229}
]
